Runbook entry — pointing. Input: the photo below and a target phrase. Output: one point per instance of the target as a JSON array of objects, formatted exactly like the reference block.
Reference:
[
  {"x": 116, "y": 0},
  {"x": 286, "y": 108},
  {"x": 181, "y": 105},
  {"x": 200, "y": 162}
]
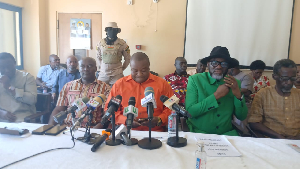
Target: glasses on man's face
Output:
[
  {"x": 217, "y": 63},
  {"x": 286, "y": 79}
]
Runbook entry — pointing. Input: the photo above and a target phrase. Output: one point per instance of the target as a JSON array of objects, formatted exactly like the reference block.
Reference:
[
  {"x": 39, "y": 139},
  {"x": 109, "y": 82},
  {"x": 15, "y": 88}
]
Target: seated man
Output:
[
  {"x": 200, "y": 68},
  {"x": 275, "y": 110},
  {"x": 297, "y": 82},
  {"x": 134, "y": 86},
  {"x": 87, "y": 86},
  {"x": 179, "y": 79},
  {"x": 17, "y": 91},
  {"x": 66, "y": 75},
  {"x": 213, "y": 99},
  {"x": 46, "y": 76},
  {"x": 246, "y": 80}
]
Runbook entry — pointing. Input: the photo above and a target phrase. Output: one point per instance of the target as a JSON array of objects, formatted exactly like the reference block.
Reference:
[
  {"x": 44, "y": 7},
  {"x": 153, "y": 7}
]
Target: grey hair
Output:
[{"x": 287, "y": 63}]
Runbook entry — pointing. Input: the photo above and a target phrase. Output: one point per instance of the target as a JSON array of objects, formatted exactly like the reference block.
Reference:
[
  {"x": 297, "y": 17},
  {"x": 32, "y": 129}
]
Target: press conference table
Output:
[{"x": 262, "y": 153}]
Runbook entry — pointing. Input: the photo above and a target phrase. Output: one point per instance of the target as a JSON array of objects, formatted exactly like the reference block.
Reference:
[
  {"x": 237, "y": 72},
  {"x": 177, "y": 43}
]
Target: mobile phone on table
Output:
[
  {"x": 41, "y": 130},
  {"x": 56, "y": 130}
]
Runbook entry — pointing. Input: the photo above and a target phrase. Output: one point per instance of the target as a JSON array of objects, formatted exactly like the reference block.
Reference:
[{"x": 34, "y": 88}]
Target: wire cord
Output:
[{"x": 61, "y": 148}]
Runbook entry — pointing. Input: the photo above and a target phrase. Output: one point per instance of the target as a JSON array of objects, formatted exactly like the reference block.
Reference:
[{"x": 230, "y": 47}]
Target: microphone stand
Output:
[
  {"x": 177, "y": 141},
  {"x": 134, "y": 141},
  {"x": 149, "y": 143},
  {"x": 88, "y": 137},
  {"x": 113, "y": 141}
]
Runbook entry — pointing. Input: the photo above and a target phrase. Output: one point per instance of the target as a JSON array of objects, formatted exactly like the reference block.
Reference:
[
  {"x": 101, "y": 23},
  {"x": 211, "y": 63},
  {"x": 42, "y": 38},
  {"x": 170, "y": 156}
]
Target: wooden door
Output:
[{"x": 64, "y": 32}]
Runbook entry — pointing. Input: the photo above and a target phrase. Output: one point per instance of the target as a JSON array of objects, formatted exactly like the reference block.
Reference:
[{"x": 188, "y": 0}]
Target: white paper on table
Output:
[{"x": 218, "y": 146}]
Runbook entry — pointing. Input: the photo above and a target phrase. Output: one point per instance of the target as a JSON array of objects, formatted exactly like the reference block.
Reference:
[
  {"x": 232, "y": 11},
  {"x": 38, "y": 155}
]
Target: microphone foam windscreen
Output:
[
  {"x": 100, "y": 99},
  {"x": 148, "y": 91},
  {"x": 85, "y": 99},
  {"x": 119, "y": 97},
  {"x": 163, "y": 98},
  {"x": 131, "y": 101}
]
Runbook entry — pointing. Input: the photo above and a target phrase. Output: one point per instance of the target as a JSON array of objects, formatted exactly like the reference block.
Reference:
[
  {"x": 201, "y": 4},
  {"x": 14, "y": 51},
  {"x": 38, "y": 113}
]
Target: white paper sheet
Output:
[{"x": 218, "y": 146}]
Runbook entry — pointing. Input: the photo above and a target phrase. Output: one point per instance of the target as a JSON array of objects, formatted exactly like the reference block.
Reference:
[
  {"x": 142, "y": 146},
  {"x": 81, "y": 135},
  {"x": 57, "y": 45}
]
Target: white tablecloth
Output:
[{"x": 256, "y": 153}]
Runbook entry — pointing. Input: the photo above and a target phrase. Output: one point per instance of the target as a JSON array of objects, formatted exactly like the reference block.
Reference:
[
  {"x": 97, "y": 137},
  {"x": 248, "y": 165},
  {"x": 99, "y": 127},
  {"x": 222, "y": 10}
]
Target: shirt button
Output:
[
  {"x": 217, "y": 127},
  {"x": 219, "y": 102},
  {"x": 287, "y": 118},
  {"x": 286, "y": 98},
  {"x": 286, "y": 108},
  {"x": 218, "y": 115}
]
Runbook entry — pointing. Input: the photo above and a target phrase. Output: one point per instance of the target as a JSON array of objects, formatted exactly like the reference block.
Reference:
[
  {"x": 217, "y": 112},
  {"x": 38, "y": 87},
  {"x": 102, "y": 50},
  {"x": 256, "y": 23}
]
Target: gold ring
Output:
[{"x": 231, "y": 83}]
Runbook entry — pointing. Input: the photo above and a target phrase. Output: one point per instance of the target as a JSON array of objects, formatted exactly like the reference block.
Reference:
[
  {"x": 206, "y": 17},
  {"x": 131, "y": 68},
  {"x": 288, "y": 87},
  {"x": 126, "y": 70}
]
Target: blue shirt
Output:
[
  {"x": 63, "y": 78},
  {"x": 48, "y": 75}
]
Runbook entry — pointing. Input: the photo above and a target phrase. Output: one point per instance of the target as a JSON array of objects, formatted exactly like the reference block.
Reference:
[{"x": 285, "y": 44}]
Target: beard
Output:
[
  {"x": 287, "y": 89},
  {"x": 216, "y": 76}
]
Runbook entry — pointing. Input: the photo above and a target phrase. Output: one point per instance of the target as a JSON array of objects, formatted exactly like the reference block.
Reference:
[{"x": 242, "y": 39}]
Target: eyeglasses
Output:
[
  {"x": 216, "y": 63},
  {"x": 285, "y": 79}
]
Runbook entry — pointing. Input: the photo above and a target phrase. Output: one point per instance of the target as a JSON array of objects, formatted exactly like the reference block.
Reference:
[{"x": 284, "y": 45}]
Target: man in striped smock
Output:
[{"x": 86, "y": 86}]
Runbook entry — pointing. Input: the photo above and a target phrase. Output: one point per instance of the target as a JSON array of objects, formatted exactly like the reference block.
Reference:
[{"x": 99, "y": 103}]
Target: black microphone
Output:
[
  {"x": 172, "y": 103},
  {"x": 92, "y": 105},
  {"x": 131, "y": 111},
  {"x": 149, "y": 101},
  {"x": 78, "y": 104},
  {"x": 105, "y": 135},
  {"x": 113, "y": 106}
]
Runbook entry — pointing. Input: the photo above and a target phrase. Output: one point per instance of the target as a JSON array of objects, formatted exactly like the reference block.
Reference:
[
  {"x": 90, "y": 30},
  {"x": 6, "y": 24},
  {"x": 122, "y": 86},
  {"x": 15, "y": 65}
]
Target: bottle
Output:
[
  {"x": 200, "y": 156},
  {"x": 45, "y": 90},
  {"x": 172, "y": 125}
]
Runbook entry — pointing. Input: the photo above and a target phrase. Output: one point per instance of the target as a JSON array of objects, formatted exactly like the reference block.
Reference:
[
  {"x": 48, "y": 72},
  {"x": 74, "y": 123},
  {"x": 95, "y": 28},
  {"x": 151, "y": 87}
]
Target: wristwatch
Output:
[
  {"x": 159, "y": 122},
  {"x": 241, "y": 98}
]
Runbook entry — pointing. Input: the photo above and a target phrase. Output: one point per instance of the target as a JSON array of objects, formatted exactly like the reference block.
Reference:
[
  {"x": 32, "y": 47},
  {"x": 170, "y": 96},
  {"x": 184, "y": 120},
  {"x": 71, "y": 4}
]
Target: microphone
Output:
[
  {"x": 172, "y": 103},
  {"x": 121, "y": 133},
  {"x": 113, "y": 106},
  {"x": 101, "y": 139},
  {"x": 149, "y": 101},
  {"x": 77, "y": 105},
  {"x": 91, "y": 106},
  {"x": 131, "y": 112}
]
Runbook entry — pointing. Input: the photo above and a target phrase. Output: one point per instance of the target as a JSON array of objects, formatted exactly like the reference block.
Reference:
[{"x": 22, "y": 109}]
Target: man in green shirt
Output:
[{"x": 213, "y": 97}]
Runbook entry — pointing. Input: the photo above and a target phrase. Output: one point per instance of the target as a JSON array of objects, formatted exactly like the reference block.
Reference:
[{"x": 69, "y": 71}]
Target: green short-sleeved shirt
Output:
[{"x": 212, "y": 116}]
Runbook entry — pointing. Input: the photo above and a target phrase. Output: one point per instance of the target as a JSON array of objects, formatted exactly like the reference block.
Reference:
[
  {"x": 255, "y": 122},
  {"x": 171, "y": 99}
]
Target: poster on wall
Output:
[{"x": 80, "y": 33}]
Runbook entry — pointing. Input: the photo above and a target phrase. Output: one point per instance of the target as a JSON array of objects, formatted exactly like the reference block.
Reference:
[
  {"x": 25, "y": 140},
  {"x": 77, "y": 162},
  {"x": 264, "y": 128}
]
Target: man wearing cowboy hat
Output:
[
  {"x": 109, "y": 52},
  {"x": 212, "y": 99}
]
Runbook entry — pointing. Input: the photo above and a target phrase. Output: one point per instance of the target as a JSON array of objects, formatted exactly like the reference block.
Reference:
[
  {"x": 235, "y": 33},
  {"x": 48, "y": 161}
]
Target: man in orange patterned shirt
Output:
[{"x": 87, "y": 86}]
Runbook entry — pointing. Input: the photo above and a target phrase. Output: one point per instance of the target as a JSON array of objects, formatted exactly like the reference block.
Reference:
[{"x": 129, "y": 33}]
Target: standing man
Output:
[
  {"x": 66, "y": 75},
  {"x": 212, "y": 99},
  {"x": 275, "y": 110},
  {"x": 109, "y": 52},
  {"x": 200, "y": 68},
  {"x": 86, "y": 86},
  {"x": 17, "y": 91},
  {"x": 47, "y": 75},
  {"x": 179, "y": 79},
  {"x": 134, "y": 85}
]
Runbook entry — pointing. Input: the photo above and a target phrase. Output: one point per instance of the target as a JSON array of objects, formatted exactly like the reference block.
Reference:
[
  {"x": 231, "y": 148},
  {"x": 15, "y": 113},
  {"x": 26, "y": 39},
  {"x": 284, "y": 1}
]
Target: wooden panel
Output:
[{"x": 64, "y": 33}]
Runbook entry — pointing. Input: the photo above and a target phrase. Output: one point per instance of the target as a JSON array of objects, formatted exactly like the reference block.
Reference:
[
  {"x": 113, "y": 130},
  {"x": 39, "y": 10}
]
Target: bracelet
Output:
[{"x": 159, "y": 122}]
